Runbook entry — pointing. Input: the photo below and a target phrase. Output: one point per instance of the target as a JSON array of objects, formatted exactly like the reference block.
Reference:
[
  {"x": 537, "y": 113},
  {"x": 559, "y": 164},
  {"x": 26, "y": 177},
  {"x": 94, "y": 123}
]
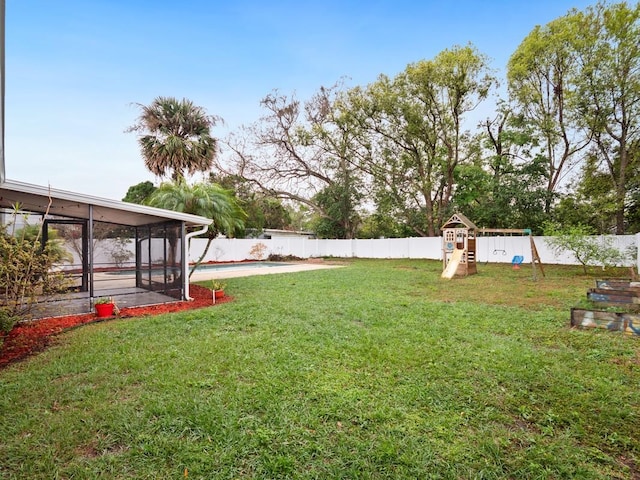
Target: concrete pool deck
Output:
[{"x": 200, "y": 276}]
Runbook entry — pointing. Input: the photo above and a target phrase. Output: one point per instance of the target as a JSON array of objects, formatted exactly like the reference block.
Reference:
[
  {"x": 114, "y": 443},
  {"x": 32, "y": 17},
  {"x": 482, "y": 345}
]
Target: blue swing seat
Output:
[{"x": 517, "y": 260}]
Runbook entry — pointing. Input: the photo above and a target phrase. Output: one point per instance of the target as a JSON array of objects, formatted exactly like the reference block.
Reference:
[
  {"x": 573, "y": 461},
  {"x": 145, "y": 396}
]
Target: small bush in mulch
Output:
[
  {"x": 31, "y": 337},
  {"x": 274, "y": 257}
]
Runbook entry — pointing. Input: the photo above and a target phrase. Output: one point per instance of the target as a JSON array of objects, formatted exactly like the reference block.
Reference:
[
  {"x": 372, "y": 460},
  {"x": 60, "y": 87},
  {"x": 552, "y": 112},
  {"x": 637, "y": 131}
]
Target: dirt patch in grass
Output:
[
  {"x": 634, "y": 471},
  {"x": 31, "y": 337},
  {"x": 499, "y": 284}
]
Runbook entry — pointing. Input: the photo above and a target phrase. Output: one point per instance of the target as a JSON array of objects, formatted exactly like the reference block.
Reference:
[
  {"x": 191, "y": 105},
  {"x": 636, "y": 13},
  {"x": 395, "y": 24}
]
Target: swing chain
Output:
[{"x": 496, "y": 250}]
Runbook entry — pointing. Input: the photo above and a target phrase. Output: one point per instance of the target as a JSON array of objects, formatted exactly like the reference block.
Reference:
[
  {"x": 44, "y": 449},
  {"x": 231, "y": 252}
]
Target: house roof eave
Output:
[{"x": 35, "y": 198}]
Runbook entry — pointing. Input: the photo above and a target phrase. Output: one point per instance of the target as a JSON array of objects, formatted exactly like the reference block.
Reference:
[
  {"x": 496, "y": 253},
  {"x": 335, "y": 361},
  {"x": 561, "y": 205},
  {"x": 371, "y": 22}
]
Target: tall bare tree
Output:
[{"x": 299, "y": 151}]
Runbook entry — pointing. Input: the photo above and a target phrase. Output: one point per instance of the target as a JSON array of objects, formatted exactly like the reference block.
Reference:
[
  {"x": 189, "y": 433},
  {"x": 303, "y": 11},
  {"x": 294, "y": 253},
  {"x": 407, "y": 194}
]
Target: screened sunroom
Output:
[{"x": 133, "y": 253}]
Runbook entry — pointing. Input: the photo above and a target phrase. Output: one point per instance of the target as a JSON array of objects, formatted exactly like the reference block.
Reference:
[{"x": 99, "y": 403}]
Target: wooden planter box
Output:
[
  {"x": 616, "y": 283},
  {"x": 626, "y": 295},
  {"x": 628, "y": 323}
]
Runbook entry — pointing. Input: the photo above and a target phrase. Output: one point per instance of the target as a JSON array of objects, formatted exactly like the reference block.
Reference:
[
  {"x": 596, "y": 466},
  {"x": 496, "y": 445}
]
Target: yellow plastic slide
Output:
[{"x": 454, "y": 261}]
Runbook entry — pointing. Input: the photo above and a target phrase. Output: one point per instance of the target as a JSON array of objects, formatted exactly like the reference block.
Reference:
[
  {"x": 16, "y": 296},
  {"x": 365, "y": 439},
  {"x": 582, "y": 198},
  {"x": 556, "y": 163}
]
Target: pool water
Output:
[
  {"x": 239, "y": 266},
  {"x": 213, "y": 267}
]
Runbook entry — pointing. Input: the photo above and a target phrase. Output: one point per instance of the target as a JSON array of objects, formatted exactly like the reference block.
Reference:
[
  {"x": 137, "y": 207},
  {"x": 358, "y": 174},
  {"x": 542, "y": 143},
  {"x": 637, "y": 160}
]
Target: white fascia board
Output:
[{"x": 40, "y": 191}]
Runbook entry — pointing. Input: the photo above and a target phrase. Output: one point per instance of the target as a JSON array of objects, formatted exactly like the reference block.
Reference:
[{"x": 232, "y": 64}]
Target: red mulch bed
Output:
[{"x": 32, "y": 337}]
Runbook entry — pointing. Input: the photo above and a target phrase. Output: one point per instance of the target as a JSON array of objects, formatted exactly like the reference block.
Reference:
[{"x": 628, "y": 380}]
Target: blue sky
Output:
[{"x": 75, "y": 69}]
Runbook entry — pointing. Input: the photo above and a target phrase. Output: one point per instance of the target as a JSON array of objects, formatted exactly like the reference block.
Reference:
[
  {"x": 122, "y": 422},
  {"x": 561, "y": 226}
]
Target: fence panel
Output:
[{"x": 499, "y": 249}]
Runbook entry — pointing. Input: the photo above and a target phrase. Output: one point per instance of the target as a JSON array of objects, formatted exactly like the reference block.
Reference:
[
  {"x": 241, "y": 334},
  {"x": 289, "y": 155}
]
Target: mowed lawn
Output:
[{"x": 376, "y": 370}]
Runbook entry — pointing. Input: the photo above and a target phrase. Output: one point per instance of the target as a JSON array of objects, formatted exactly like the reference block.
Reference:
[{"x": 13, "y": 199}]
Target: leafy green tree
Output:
[
  {"x": 608, "y": 47},
  {"x": 577, "y": 80},
  {"x": 301, "y": 217},
  {"x": 592, "y": 201},
  {"x": 505, "y": 184},
  {"x": 203, "y": 199},
  {"x": 175, "y": 137},
  {"x": 633, "y": 190},
  {"x": 414, "y": 133},
  {"x": 339, "y": 212},
  {"x": 580, "y": 241},
  {"x": 262, "y": 210},
  {"x": 378, "y": 225},
  {"x": 541, "y": 79},
  {"x": 139, "y": 193}
]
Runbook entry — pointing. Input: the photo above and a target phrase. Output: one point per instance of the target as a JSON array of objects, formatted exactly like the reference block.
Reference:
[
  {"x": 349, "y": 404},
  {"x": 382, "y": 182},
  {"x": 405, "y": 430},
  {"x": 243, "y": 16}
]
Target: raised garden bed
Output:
[
  {"x": 615, "y": 307},
  {"x": 628, "y": 323}
]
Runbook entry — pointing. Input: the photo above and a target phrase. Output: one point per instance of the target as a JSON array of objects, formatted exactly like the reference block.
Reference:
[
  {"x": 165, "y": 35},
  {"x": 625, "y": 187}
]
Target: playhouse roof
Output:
[{"x": 458, "y": 219}]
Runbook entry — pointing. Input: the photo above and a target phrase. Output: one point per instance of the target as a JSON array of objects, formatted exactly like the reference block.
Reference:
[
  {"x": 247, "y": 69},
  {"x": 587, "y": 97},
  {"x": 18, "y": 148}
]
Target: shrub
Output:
[
  {"x": 7, "y": 321},
  {"x": 258, "y": 251},
  {"x": 26, "y": 273},
  {"x": 217, "y": 285},
  {"x": 277, "y": 257},
  {"x": 119, "y": 251},
  {"x": 587, "y": 249}
]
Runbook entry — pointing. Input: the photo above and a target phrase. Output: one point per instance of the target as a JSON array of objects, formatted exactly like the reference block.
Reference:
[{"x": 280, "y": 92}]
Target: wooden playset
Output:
[
  {"x": 459, "y": 240},
  {"x": 458, "y": 247}
]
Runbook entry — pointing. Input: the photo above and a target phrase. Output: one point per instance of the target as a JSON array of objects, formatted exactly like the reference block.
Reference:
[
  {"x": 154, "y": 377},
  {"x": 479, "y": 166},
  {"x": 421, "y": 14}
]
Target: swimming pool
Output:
[
  {"x": 211, "y": 267},
  {"x": 238, "y": 266}
]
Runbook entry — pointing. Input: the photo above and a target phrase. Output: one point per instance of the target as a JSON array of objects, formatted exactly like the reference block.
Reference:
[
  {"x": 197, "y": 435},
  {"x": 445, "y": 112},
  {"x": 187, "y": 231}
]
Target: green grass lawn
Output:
[{"x": 376, "y": 370}]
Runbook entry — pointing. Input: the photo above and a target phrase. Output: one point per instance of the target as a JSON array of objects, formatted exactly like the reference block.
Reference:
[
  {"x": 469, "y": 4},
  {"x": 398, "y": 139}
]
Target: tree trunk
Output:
[
  {"x": 199, "y": 261},
  {"x": 620, "y": 194}
]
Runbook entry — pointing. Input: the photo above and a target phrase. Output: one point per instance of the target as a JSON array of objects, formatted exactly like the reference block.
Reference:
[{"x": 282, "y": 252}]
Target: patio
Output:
[
  {"x": 117, "y": 285},
  {"x": 76, "y": 221}
]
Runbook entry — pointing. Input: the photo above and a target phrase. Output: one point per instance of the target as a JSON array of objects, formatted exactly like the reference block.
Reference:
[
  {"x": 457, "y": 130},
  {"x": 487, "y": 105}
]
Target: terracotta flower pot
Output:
[
  {"x": 219, "y": 293},
  {"x": 104, "y": 309}
]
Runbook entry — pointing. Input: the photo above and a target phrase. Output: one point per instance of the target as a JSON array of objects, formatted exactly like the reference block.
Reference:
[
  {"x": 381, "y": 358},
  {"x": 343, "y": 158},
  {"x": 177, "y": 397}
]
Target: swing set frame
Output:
[{"x": 535, "y": 257}]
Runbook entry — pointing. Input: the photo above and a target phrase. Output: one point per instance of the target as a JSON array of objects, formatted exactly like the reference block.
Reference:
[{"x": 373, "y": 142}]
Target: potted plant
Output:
[
  {"x": 105, "y": 307},
  {"x": 217, "y": 287}
]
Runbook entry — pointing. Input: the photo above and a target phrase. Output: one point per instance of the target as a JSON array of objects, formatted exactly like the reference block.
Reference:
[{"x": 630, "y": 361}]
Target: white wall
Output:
[{"x": 488, "y": 249}]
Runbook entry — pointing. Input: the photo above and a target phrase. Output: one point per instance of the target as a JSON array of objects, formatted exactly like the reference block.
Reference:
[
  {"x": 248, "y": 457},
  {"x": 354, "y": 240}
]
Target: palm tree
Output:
[
  {"x": 176, "y": 137},
  {"x": 206, "y": 200}
]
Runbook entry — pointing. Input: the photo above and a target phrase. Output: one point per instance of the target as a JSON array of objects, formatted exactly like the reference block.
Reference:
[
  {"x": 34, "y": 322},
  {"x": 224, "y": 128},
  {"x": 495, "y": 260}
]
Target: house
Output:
[
  {"x": 269, "y": 233},
  {"x": 159, "y": 272},
  {"x": 161, "y": 236}
]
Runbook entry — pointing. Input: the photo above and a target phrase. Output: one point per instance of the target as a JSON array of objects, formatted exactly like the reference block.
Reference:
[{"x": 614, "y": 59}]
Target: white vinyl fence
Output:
[{"x": 499, "y": 249}]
